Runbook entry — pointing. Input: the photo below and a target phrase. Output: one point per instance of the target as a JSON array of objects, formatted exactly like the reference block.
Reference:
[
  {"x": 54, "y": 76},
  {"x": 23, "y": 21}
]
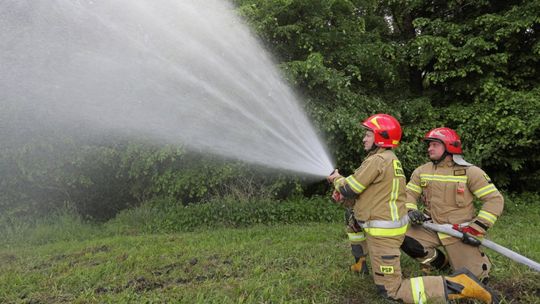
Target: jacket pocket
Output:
[{"x": 462, "y": 194}]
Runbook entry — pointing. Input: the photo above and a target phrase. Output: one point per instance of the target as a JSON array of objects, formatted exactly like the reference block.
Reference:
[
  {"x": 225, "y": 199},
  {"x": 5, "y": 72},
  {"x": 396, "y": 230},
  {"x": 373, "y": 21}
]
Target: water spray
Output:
[{"x": 183, "y": 72}]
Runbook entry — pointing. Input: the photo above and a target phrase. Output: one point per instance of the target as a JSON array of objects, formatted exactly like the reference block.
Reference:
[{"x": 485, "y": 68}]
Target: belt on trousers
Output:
[{"x": 386, "y": 228}]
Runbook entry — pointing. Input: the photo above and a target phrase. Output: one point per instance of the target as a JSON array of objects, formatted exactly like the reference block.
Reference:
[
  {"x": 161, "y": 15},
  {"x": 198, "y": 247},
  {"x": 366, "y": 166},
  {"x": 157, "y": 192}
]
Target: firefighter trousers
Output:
[
  {"x": 421, "y": 244},
  {"x": 356, "y": 235},
  {"x": 384, "y": 254}
]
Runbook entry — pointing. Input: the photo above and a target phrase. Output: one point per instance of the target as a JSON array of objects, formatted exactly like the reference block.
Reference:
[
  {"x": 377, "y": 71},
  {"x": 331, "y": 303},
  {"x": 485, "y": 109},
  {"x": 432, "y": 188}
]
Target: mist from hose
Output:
[{"x": 187, "y": 72}]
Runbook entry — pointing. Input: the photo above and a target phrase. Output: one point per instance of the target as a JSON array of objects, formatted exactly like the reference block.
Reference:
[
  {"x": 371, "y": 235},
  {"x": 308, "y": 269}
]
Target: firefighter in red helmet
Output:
[
  {"x": 378, "y": 190},
  {"x": 447, "y": 186},
  {"x": 386, "y": 133}
]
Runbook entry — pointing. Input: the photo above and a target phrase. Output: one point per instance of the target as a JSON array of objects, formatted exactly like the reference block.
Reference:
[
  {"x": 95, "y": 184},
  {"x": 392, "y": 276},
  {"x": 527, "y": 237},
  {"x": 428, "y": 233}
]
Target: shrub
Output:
[{"x": 165, "y": 215}]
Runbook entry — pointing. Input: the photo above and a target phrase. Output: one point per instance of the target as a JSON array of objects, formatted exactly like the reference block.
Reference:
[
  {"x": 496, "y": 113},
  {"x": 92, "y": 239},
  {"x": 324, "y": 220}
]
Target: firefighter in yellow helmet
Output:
[
  {"x": 378, "y": 190},
  {"x": 447, "y": 185}
]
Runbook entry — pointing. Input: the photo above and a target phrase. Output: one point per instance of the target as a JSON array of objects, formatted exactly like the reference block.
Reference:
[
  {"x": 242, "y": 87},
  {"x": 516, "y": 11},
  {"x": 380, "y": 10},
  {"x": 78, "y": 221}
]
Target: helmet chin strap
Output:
[
  {"x": 443, "y": 156},
  {"x": 373, "y": 148}
]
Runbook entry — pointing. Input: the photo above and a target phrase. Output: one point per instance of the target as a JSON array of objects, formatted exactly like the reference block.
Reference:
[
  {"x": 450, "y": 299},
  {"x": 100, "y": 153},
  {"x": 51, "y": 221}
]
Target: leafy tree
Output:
[{"x": 469, "y": 65}]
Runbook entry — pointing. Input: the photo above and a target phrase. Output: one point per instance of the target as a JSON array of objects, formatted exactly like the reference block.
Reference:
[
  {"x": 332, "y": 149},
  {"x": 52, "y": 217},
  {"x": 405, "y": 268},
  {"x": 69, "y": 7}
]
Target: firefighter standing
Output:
[
  {"x": 378, "y": 188},
  {"x": 448, "y": 185}
]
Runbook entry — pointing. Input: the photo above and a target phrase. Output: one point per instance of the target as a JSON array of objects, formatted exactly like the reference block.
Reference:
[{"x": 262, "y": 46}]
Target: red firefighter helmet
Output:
[
  {"x": 448, "y": 137},
  {"x": 386, "y": 129}
]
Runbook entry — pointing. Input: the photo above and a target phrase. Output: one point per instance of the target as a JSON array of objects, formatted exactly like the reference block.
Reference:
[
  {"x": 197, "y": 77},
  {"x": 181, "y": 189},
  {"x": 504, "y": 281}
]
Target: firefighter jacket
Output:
[
  {"x": 378, "y": 190},
  {"x": 448, "y": 191}
]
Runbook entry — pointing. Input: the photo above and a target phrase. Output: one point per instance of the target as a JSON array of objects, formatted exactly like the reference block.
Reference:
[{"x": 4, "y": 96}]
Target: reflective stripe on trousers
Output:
[
  {"x": 356, "y": 237},
  {"x": 418, "y": 292},
  {"x": 386, "y": 228}
]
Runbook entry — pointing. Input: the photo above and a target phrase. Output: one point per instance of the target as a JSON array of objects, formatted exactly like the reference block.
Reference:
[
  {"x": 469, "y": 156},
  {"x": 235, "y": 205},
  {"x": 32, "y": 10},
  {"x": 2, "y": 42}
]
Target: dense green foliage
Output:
[
  {"x": 469, "y": 65},
  {"x": 99, "y": 180},
  {"x": 166, "y": 216}
]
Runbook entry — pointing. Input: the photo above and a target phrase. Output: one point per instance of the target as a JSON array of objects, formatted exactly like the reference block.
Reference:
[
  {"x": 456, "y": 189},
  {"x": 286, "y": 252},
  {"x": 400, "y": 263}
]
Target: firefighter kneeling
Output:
[
  {"x": 378, "y": 190},
  {"x": 447, "y": 186}
]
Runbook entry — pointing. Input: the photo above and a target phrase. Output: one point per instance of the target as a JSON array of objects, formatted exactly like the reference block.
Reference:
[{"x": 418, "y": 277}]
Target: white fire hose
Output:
[{"x": 447, "y": 229}]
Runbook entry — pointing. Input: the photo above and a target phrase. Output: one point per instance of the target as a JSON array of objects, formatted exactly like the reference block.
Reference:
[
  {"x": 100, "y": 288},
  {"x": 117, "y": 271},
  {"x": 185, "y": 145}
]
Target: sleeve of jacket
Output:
[
  {"x": 354, "y": 184},
  {"x": 483, "y": 188},
  {"x": 414, "y": 190}
]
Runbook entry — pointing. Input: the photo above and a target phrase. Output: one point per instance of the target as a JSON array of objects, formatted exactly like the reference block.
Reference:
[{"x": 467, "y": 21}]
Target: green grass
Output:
[
  {"x": 293, "y": 263},
  {"x": 261, "y": 264}
]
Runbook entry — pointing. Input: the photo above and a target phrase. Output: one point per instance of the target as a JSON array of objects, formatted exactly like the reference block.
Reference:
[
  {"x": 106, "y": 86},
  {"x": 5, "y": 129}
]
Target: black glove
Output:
[
  {"x": 352, "y": 223},
  {"x": 416, "y": 217},
  {"x": 470, "y": 236},
  {"x": 470, "y": 240}
]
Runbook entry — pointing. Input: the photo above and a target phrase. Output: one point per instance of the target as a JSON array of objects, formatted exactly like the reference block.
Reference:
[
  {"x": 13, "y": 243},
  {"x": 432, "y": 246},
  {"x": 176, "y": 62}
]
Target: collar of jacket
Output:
[
  {"x": 447, "y": 162},
  {"x": 376, "y": 151}
]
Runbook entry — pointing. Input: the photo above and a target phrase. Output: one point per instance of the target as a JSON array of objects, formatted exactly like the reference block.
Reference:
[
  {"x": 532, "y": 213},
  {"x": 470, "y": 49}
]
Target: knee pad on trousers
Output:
[
  {"x": 486, "y": 267},
  {"x": 440, "y": 261},
  {"x": 413, "y": 248}
]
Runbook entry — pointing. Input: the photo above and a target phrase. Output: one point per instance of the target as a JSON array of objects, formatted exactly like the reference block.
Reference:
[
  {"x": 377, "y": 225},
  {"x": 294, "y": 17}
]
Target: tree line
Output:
[{"x": 468, "y": 65}]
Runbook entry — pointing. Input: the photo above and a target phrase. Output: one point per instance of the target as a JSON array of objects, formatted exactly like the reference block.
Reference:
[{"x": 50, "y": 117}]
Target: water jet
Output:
[{"x": 186, "y": 72}]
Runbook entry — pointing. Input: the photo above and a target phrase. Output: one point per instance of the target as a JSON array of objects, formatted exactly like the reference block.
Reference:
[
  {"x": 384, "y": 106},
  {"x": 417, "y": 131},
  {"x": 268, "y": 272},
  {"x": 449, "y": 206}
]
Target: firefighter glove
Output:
[
  {"x": 352, "y": 223},
  {"x": 336, "y": 196},
  {"x": 335, "y": 174},
  {"x": 470, "y": 236},
  {"x": 416, "y": 217}
]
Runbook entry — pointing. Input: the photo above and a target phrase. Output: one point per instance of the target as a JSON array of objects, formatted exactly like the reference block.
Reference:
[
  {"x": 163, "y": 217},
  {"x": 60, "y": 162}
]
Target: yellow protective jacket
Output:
[
  {"x": 378, "y": 188},
  {"x": 448, "y": 191}
]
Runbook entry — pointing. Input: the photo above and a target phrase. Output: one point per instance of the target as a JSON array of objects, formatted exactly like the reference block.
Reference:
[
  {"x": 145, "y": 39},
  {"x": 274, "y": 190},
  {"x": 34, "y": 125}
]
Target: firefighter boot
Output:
[
  {"x": 463, "y": 284},
  {"x": 360, "y": 266}
]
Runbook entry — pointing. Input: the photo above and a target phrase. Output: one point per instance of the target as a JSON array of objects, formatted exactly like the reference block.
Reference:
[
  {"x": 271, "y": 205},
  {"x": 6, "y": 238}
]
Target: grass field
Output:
[{"x": 295, "y": 263}]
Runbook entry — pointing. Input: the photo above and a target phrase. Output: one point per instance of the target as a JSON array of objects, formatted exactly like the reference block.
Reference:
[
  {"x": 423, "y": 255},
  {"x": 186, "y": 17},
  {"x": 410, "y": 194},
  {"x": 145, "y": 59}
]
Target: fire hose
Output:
[{"x": 447, "y": 229}]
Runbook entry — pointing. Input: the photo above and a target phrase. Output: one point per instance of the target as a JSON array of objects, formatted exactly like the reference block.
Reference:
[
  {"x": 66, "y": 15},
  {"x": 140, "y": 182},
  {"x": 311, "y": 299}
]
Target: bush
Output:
[
  {"x": 515, "y": 201},
  {"x": 64, "y": 225},
  {"x": 99, "y": 180},
  {"x": 164, "y": 215}
]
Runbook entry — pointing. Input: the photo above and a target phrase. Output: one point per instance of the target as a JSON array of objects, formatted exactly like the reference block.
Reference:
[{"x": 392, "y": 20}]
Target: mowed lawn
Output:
[{"x": 301, "y": 263}]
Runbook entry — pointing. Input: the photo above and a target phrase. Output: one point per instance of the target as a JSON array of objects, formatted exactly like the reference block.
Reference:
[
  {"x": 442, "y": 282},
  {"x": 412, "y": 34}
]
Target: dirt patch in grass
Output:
[
  {"x": 514, "y": 291},
  {"x": 85, "y": 251},
  {"x": 165, "y": 270},
  {"x": 6, "y": 258},
  {"x": 195, "y": 270},
  {"x": 75, "y": 257},
  {"x": 139, "y": 285},
  {"x": 354, "y": 301},
  {"x": 92, "y": 250},
  {"x": 42, "y": 266},
  {"x": 46, "y": 299}
]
